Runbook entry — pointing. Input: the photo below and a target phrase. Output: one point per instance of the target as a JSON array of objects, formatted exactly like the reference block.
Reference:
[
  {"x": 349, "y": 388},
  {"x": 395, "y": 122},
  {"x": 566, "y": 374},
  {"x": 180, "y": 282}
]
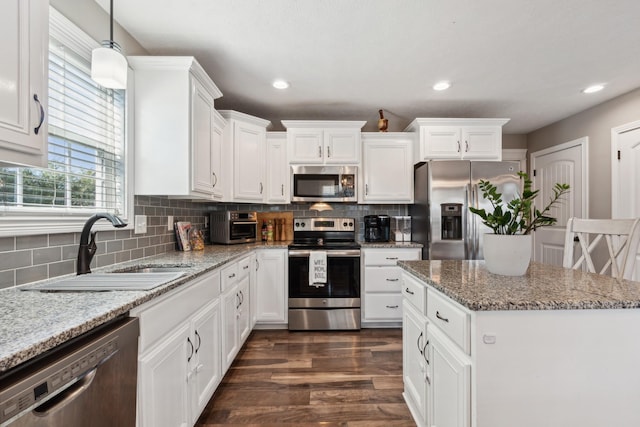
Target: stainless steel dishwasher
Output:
[{"x": 90, "y": 381}]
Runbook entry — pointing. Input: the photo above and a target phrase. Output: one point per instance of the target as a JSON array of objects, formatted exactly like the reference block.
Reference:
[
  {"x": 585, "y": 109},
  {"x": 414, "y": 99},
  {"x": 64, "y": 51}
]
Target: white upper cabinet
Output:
[
  {"x": 323, "y": 142},
  {"x": 472, "y": 139},
  {"x": 24, "y": 41},
  {"x": 277, "y": 168},
  {"x": 178, "y": 134},
  {"x": 387, "y": 168},
  {"x": 245, "y": 145}
]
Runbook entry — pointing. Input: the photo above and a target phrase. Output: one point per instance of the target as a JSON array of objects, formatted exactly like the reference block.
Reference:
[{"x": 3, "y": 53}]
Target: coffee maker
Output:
[{"x": 376, "y": 228}]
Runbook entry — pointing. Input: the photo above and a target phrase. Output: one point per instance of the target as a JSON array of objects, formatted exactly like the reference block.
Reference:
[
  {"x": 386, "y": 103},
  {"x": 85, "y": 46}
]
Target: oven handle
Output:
[
  {"x": 348, "y": 253},
  {"x": 245, "y": 222}
]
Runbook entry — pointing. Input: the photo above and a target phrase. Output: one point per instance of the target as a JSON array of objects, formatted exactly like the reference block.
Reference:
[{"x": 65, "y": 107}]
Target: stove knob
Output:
[
  {"x": 303, "y": 224},
  {"x": 351, "y": 224},
  {"x": 344, "y": 224},
  {"x": 297, "y": 224}
]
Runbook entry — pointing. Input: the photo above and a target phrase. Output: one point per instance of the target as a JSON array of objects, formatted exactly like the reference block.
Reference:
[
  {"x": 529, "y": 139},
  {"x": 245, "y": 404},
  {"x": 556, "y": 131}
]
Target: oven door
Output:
[
  {"x": 243, "y": 231},
  {"x": 343, "y": 279}
]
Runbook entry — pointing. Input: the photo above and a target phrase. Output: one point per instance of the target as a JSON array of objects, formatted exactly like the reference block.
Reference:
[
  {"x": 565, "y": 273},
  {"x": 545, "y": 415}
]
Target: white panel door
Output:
[
  {"x": 271, "y": 288},
  {"x": 230, "y": 303},
  {"x": 481, "y": 142},
  {"x": 441, "y": 142},
  {"x": 248, "y": 161},
  {"x": 388, "y": 172},
  {"x": 414, "y": 363},
  {"x": 342, "y": 146},
  {"x": 202, "y": 138},
  {"x": 626, "y": 177},
  {"x": 23, "y": 78},
  {"x": 277, "y": 170},
  {"x": 561, "y": 164},
  {"x": 305, "y": 146}
]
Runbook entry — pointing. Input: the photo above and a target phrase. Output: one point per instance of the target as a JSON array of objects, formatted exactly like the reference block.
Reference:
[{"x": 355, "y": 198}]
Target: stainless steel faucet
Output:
[{"x": 87, "y": 248}]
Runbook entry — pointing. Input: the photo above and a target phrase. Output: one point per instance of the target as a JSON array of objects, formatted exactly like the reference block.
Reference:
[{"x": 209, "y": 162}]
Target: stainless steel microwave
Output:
[
  {"x": 324, "y": 183},
  {"x": 230, "y": 227}
]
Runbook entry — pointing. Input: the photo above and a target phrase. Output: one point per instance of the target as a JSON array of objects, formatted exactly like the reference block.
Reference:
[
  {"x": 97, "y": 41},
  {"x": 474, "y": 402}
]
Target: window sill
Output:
[{"x": 28, "y": 225}]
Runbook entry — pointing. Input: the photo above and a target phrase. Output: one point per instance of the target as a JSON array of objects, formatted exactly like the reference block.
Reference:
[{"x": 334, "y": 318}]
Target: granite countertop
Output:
[
  {"x": 394, "y": 245},
  {"x": 543, "y": 287},
  {"x": 33, "y": 322}
]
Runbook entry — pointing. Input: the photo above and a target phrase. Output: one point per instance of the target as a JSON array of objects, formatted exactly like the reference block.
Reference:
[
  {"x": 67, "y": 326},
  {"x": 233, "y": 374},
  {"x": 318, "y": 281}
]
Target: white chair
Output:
[{"x": 622, "y": 237}]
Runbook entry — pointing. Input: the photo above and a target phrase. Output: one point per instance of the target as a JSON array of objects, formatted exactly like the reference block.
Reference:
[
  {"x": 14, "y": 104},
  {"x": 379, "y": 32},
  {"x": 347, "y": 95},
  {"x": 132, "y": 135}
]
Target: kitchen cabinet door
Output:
[
  {"x": 342, "y": 146},
  {"x": 449, "y": 390},
  {"x": 217, "y": 140},
  {"x": 24, "y": 41},
  {"x": 306, "y": 146},
  {"x": 163, "y": 381},
  {"x": 441, "y": 142},
  {"x": 271, "y": 288},
  {"x": 278, "y": 173},
  {"x": 205, "y": 365},
  {"x": 482, "y": 142},
  {"x": 414, "y": 362},
  {"x": 244, "y": 310},
  {"x": 230, "y": 346},
  {"x": 387, "y": 169},
  {"x": 202, "y": 111},
  {"x": 249, "y": 159}
]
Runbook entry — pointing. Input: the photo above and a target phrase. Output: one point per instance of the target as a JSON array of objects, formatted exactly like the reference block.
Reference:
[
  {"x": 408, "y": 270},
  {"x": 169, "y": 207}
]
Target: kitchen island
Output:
[{"x": 555, "y": 347}]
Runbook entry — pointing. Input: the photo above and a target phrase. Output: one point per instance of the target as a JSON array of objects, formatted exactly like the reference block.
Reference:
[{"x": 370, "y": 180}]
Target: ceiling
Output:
[{"x": 346, "y": 59}]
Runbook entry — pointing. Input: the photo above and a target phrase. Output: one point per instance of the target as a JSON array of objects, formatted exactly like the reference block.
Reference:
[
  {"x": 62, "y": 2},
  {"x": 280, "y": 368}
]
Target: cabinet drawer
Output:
[
  {"x": 382, "y": 279},
  {"x": 160, "y": 316},
  {"x": 414, "y": 292},
  {"x": 383, "y": 307},
  {"x": 229, "y": 276},
  {"x": 389, "y": 256},
  {"x": 244, "y": 267},
  {"x": 449, "y": 318}
]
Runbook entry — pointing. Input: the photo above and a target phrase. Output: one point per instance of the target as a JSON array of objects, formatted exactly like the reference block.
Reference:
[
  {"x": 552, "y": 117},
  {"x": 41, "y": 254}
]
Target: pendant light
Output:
[{"x": 108, "y": 65}]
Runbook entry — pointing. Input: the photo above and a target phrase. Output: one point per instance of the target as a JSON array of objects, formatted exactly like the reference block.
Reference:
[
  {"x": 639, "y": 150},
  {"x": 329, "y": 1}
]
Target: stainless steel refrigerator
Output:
[{"x": 444, "y": 190}]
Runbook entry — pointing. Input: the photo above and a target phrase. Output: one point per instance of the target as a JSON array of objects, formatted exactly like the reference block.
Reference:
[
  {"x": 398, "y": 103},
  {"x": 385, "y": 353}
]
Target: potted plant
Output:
[{"x": 508, "y": 250}]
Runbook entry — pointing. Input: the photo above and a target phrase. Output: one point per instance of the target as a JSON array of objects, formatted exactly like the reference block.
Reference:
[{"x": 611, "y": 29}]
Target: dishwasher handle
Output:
[{"x": 67, "y": 396}]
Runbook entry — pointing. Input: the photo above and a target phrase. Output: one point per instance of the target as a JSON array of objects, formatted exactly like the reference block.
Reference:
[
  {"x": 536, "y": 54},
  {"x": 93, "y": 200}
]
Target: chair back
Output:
[{"x": 622, "y": 237}]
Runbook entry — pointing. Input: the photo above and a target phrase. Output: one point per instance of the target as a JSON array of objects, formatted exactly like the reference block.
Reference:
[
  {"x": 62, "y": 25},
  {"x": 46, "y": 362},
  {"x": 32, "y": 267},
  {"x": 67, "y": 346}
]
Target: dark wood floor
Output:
[{"x": 283, "y": 378}]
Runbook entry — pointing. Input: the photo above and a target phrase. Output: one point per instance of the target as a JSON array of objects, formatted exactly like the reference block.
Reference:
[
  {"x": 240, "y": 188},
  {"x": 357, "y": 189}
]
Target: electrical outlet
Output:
[
  {"x": 140, "y": 224},
  {"x": 170, "y": 223}
]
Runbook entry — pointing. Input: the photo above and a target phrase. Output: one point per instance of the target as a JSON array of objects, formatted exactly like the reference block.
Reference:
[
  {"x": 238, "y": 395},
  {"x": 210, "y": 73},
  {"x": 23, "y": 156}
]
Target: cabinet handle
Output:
[
  {"x": 392, "y": 280},
  {"x": 319, "y": 151},
  {"x": 458, "y": 146},
  {"x": 418, "y": 342},
  {"x": 232, "y": 276},
  {"x": 245, "y": 267},
  {"x": 328, "y": 151},
  {"x": 199, "y": 342},
  {"x": 257, "y": 264},
  {"x": 241, "y": 298},
  {"x": 37, "y": 128},
  {"x": 237, "y": 299},
  {"x": 190, "y": 345},
  {"x": 282, "y": 189},
  {"x": 424, "y": 352},
  {"x": 215, "y": 182},
  {"x": 366, "y": 189},
  {"x": 444, "y": 319},
  {"x": 466, "y": 145},
  {"x": 392, "y": 258},
  {"x": 261, "y": 187},
  {"x": 427, "y": 379},
  {"x": 392, "y": 306},
  {"x": 408, "y": 291}
]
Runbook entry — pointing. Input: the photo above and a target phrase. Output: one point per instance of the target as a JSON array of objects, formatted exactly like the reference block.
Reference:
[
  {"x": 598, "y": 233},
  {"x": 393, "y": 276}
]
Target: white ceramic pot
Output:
[{"x": 508, "y": 255}]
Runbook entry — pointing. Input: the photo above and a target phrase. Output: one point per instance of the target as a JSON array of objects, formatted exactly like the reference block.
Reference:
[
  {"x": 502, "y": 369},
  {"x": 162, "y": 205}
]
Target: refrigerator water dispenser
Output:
[{"x": 451, "y": 214}]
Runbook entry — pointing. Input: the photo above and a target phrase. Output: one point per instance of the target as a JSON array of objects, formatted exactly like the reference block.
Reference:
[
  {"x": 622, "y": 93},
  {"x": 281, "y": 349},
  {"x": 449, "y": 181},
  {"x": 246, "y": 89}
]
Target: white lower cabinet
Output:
[
  {"x": 271, "y": 286},
  {"x": 179, "y": 359},
  {"x": 436, "y": 370},
  {"x": 449, "y": 388},
  {"x": 236, "y": 308},
  {"x": 382, "y": 297},
  {"x": 414, "y": 362}
]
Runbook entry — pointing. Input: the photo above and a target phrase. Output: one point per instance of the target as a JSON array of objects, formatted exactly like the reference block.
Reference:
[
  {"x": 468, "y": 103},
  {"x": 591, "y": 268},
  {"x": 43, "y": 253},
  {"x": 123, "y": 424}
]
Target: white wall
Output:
[{"x": 595, "y": 123}]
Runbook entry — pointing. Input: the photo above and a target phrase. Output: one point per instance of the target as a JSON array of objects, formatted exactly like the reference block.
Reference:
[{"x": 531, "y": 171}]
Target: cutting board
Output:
[{"x": 288, "y": 223}]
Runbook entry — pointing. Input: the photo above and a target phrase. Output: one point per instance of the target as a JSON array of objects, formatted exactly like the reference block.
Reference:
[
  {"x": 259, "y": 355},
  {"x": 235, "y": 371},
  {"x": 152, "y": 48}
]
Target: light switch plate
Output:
[
  {"x": 170, "y": 223},
  {"x": 140, "y": 224}
]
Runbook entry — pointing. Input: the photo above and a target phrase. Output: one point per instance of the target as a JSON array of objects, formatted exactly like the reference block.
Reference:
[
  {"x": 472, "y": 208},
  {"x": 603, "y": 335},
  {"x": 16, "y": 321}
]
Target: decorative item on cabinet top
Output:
[
  {"x": 282, "y": 222},
  {"x": 383, "y": 124}
]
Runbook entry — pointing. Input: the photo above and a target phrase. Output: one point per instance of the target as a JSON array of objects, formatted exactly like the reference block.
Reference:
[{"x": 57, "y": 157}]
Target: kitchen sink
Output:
[
  {"x": 153, "y": 269},
  {"x": 120, "y": 281}
]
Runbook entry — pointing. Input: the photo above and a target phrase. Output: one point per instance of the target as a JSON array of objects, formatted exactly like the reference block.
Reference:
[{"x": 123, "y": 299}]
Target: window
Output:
[{"x": 87, "y": 153}]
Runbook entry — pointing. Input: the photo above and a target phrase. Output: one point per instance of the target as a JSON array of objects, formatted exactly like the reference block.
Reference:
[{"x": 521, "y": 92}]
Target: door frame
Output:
[
  {"x": 583, "y": 143},
  {"x": 616, "y": 132}
]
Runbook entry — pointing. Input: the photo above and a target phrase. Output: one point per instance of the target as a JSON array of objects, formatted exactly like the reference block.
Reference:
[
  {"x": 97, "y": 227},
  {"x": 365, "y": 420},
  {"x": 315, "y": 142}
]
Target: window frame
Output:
[{"x": 19, "y": 222}]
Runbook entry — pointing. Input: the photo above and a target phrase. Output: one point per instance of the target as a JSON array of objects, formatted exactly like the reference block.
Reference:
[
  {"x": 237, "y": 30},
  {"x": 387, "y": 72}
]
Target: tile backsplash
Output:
[{"x": 25, "y": 259}]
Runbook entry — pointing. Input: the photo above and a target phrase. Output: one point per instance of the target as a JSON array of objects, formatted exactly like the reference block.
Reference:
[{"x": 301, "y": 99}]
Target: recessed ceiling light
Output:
[
  {"x": 593, "y": 89},
  {"x": 441, "y": 86},
  {"x": 280, "y": 84}
]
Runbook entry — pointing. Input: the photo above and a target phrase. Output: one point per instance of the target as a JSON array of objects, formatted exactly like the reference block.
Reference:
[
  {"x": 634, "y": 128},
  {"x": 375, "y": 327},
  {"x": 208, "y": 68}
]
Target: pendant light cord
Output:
[{"x": 111, "y": 24}]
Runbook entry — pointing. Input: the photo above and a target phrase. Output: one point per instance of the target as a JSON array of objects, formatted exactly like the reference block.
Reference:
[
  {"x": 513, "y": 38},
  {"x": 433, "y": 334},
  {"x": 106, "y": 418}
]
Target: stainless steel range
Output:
[{"x": 334, "y": 301}]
